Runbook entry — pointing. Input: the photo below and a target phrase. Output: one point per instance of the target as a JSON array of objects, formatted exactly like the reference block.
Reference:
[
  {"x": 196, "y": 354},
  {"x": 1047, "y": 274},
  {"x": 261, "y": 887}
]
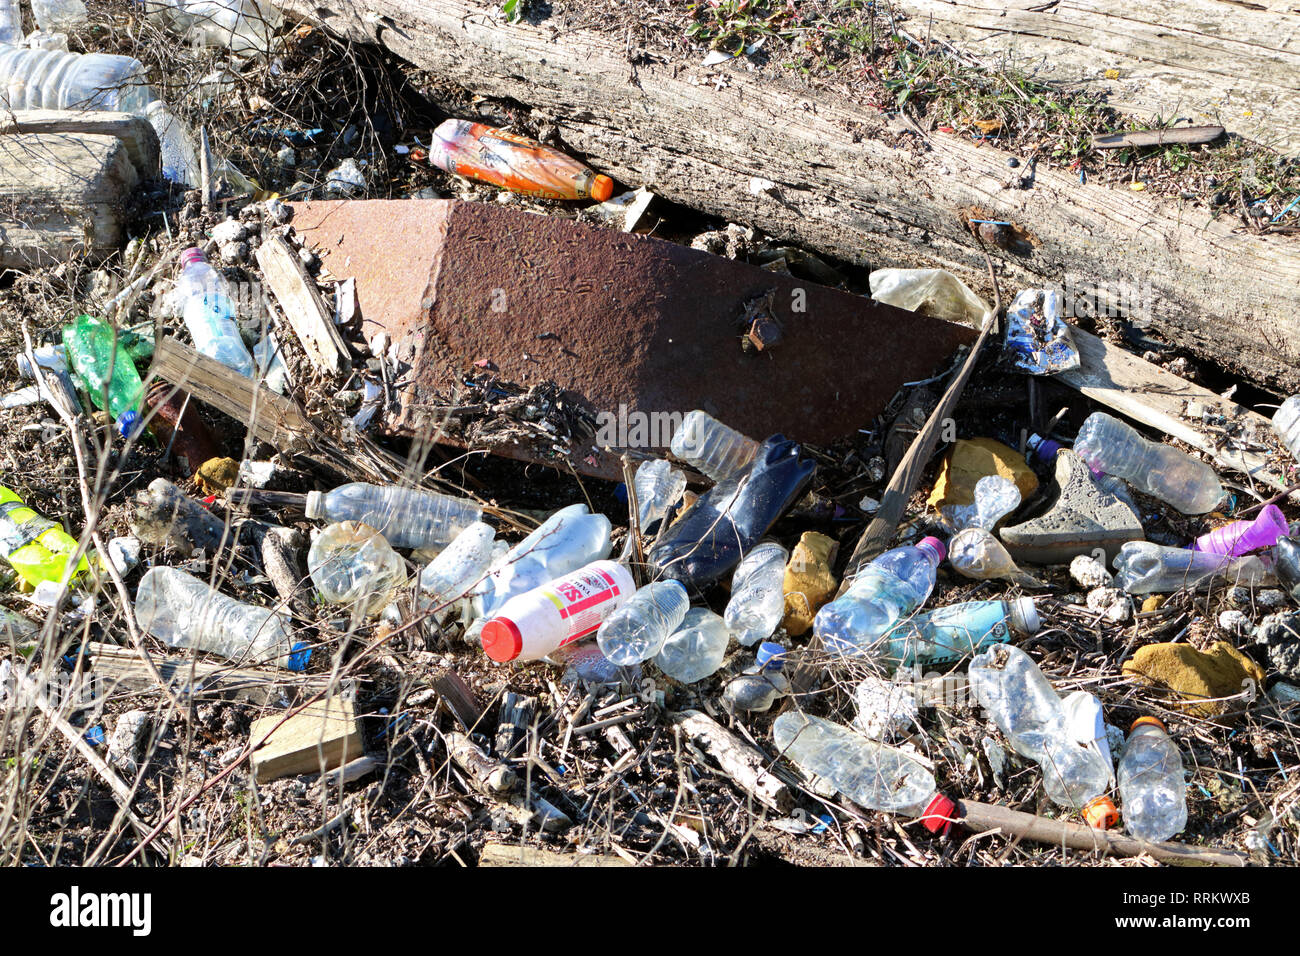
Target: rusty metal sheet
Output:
[{"x": 637, "y": 326}]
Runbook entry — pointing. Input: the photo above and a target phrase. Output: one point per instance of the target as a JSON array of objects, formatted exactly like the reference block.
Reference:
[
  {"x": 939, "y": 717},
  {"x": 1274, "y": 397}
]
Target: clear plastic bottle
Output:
[
  {"x": 696, "y": 649},
  {"x": 458, "y": 567},
  {"x": 11, "y": 23},
  {"x": 246, "y": 27},
  {"x": 884, "y": 592},
  {"x": 105, "y": 368},
  {"x": 571, "y": 538},
  {"x": 637, "y": 631},
  {"x": 995, "y": 498},
  {"x": 1152, "y": 791},
  {"x": 871, "y": 774},
  {"x": 976, "y": 554},
  {"x": 1286, "y": 422},
  {"x": 760, "y": 685},
  {"x": 1146, "y": 568},
  {"x": 407, "y": 517},
  {"x": 54, "y": 80},
  {"x": 658, "y": 486},
  {"x": 1110, "y": 446},
  {"x": 949, "y": 634},
  {"x": 711, "y": 447},
  {"x": 179, "y": 153},
  {"x": 60, "y": 16},
  {"x": 1009, "y": 686},
  {"x": 183, "y": 611},
  {"x": 209, "y": 313},
  {"x": 1287, "y": 555},
  {"x": 36, "y": 547},
  {"x": 757, "y": 601},
  {"x": 351, "y": 563}
]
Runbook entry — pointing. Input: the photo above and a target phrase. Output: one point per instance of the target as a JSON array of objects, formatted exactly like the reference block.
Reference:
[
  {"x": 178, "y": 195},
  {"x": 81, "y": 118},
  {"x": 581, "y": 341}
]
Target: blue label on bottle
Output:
[{"x": 949, "y": 634}]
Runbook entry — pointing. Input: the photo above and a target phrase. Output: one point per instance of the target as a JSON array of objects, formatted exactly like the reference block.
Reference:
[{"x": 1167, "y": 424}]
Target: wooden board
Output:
[
  {"x": 135, "y": 132},
  {"x": 296, "y": 292},
  {"x": 324, "y": 735},
  {"x": 850, "y": 184},
  {"x": 62, "y": 195},
  {"x": 499, "y": 854}
]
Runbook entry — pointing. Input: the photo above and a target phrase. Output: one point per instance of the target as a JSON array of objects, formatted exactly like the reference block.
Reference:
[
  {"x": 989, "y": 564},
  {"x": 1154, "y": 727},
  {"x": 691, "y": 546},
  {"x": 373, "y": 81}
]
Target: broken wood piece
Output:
[
  {"x": 514, "y": 720},
  {"x": 322, "y": 736},
  {"x": 135, "y": 132},
  {"x": 1180, "y": 135},
  {"x": 62, "y": 196},
  {"x": 1016, "y": 825},
  {"x": 459, "y": 698},
  {"x": 1159, "y": 399},
  {"x": 742, "y": 763},
  {"x": 296, "y": 292},
  {"x": 488, "y": 776},
  {"x": 502, "y": 854},
  {"x": 348, "y": 773},
  {"x": 270, "y": 417}
]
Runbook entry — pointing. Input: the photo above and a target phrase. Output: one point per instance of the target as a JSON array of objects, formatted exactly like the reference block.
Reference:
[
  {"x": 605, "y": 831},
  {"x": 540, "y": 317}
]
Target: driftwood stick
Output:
[
  {"x": 487, "y": 775},
  {"x": 1027, "y": 826},
  {"x": 746, "y": 767}
]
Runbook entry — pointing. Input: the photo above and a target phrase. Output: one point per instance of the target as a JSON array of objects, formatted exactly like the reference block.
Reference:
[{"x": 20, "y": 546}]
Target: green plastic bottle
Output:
[
  {"x": 95, "y": 352},
  {"x": 37, "y": 548}
]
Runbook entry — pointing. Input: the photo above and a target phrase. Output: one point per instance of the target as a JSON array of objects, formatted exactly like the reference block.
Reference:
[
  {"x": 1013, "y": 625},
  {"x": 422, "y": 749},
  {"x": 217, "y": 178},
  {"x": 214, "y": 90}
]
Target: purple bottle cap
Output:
[
  {"x": 936, "y": 546},
  {"x": 191, "y": 255},
  {"x": 1044, "y": 449}
]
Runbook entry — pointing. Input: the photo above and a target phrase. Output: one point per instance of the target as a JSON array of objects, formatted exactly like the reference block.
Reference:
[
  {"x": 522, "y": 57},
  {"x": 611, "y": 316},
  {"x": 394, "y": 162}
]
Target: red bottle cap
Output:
[
  {"x": 501, "y": 639},
  {"x": 939, "y": 815}
]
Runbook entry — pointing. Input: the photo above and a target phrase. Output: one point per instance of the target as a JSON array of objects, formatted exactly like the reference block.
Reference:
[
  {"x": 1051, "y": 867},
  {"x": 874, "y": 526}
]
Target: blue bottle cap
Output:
[
  {"x": 299, "y": 655},
  {"x": 770, "y": 656},
  {"x": 126, "y": 424},
  {"x": 95, "y": 736},
  {"x": 620, "y": 492}
]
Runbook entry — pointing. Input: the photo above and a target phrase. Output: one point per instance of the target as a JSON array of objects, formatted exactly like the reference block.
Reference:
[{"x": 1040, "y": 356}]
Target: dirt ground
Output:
[{"x": 635, "y": 789}]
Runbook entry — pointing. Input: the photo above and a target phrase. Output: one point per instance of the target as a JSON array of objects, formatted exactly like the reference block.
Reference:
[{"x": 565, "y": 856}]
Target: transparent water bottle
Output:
[
  {"x": 757, "y": 597},
  {"x": 570, "y": 539},
  {"x": 995, "y": 498},
  {"x": 458, "y": 567},
  {"x": 11, "y": 22},
  {"x": 407, "y": 517},
  {"x": 183, "y": 611},
  {"x": 696, "y": 649},
  {"x": 949, "y": 634},
  {"x": 246, "y": 27},
  {"x": 1009, "y": 686},
  {"x": 351, "y": 563},
  {"x": 1152, "y": 791},
  {"x": 1146, "y": 568},
  {"x": 871, "y": 774},
  {"x": 760, "y": 685},
  {"x": 1287, "y": 555},
  {"x": 60, "y": 16},
  {"x": 55, "y": 80},
  {"x": 178, "y": 151},
  {"x": 659, "y": 486},
  {"x": 1286, "y": 422},
  {"x": 209, "y": 313},
  {"x": 637, "y": 631},
  {"x": 884, "y": 592},
  {"x": 711, "y": 447},
  {"x": 1110, "y": 446}
]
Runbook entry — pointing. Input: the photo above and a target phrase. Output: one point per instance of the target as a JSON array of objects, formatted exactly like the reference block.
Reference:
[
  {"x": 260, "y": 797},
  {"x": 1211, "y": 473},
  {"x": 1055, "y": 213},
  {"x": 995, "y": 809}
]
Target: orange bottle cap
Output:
[
  {"x": 1151, "y": 721},
  {"x": 602, "y": 187},
  {"x": 1101, "y": 814}
]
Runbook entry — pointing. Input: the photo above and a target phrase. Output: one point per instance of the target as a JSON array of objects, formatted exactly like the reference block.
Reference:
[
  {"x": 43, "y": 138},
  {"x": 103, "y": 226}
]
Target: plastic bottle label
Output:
[
  {"x": 581, "y": 600},
  {"x": 17, "y": 529}
]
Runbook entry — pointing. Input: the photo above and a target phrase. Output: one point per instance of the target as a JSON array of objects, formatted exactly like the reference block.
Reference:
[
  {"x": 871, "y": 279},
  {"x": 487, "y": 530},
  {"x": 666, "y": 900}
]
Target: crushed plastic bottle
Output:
[
  {"x": 1145, "y": 568},
  {"x": 1038, "y": 339},
  {"x": 760, "y": 685},
  {"x": 884, "y": 592},
  {"x": 105, "y": 369},
  {"x": 731, "y": 517},
  {"x": 659, "y": 486},
  {"x": 185, "y": 612},
  {"x": 995, "y": 498},
  {"x": 53, "y": 80},
  {"x": 512, "y": 162},
  {"x": 449, "y": 577},
  {"x": 583, "y": 661},
  {"x": 974, "y": 552},
  {"x": 1286, "y": 423},
  {"x": 351, "y": 563},
  {"x": 696, "y": 649},
  {"x": 757, "y": 602},
  {"x": 711, "y": 447},
  {"x": 246, "y": 27},
  {"x": 406, "y": 517},
  {"x": 1152, "y": 790},
  {"x": 60, "y": 16},
  {"x": 209, "y": 313},
  {"x": 566, "y": 541},
  {"x": 539, "y": 622},
  {"x": 1021, "y": 701},
  {"x": 11, "y": 23},
  {"x": 1110, "y": 446},
  {"x": 950, "y": 634},
  {"x": 871, "y": 774},
  {"x": 1287, "y": 555},
  {"x": 37, "y": 548},
  {"x": 1242, "y": 537},
  {"x": 637, "y": 631}
]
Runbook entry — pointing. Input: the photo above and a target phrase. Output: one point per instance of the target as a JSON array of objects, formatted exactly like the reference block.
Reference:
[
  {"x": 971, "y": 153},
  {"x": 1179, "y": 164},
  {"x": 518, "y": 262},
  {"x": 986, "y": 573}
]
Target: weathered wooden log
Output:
[
  {"x": 848, "y": 184},
  {"x": 738, "y": 760}
]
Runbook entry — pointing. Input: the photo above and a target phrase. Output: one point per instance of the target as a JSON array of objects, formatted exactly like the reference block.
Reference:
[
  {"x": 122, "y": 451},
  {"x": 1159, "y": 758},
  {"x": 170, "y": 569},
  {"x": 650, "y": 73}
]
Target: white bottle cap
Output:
[{"x": 315, "y": 506}]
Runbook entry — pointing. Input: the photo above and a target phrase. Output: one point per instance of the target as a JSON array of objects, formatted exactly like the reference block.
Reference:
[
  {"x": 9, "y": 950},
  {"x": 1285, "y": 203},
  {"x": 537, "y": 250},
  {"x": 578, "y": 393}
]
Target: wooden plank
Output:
[
  {"x": 62, "y": 195},
  {"x": 270, "y": 417},
  {"x": 296, "y": 292},
  {"x": 135, "y": 132},
  {"x": 460, "y": 700},
  {"x": 500, "y": 854},
  {"x": 324, "y": 735},
  {"x": 119, "y": 670},
  {"x": 850, "y": 184},
  {"x": 1148, "y": 394}
]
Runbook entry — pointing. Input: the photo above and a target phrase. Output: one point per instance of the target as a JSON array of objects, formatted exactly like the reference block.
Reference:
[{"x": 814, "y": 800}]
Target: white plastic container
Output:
[
  {"x": 54, "y": 80},
  {"x": 407, "y": 517},
  {"x": 531, "y": 625}
]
